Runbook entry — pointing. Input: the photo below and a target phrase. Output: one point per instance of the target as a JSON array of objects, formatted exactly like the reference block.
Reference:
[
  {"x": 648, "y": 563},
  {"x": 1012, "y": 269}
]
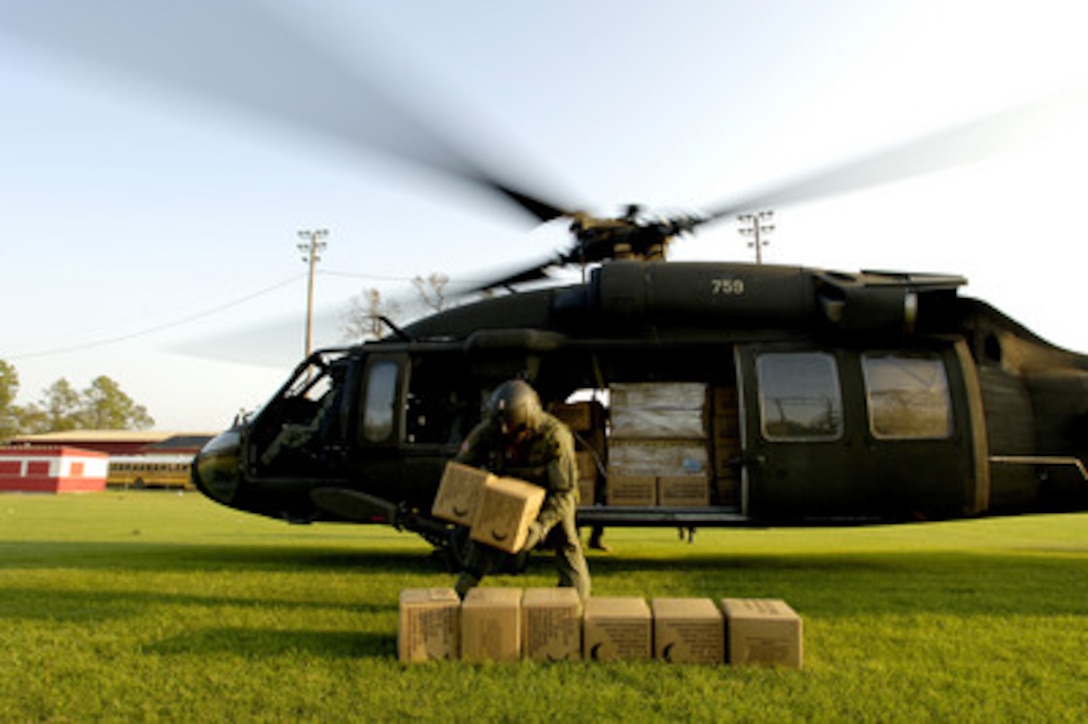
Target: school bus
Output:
[{"x": 149, "y": 471}]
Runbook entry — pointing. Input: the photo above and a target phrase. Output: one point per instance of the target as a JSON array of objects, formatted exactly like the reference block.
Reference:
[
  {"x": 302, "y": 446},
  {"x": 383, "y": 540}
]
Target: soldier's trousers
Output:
[{"x": 570, "y": 560}]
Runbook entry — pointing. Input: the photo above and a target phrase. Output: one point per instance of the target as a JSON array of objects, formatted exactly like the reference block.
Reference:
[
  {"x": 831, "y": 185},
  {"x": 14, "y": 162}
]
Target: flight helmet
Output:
[{"x": 515, "y": 407}]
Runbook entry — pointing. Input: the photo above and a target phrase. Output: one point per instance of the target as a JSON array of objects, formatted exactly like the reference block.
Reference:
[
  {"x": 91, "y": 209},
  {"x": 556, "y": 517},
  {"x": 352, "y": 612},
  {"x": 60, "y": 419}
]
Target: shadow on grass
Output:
[
  {"x": 1029, "y": 582},
  {"x": 181, "y": 557},
  {"x": 78, "y": 605},
  {"x": 849, "y": 584},
  {"x": 266, "y": 643}
]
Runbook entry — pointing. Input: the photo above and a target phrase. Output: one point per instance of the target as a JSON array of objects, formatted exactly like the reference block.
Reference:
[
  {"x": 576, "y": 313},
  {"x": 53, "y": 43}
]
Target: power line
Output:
[{"x": 158, "y": 328}]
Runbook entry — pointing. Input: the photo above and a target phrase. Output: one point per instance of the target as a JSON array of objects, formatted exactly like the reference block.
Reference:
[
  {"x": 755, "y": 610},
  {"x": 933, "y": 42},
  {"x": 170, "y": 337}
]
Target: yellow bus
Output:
[{"x": 149, "y": 471}]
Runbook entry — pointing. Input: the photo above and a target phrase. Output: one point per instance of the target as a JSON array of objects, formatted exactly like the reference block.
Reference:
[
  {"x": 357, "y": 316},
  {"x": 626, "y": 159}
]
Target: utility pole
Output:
[
  {"x": 757, "y": 227},
  {"x": 310, "y": 255}
]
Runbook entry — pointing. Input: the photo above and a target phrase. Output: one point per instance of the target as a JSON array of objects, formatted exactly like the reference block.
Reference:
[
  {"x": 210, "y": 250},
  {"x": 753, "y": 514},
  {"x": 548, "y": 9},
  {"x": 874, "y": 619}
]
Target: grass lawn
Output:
[{"x": 164, "y": 606}]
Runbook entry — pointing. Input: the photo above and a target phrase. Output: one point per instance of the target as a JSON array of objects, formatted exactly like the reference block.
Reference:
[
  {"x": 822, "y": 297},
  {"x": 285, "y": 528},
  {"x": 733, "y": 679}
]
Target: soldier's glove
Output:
[{"x": 536, "y": 534}]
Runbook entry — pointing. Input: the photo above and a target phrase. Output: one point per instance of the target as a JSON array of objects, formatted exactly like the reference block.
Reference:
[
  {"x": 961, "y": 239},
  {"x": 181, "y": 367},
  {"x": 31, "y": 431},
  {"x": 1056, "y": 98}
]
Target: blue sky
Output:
[{"x": 137, "y": 217}]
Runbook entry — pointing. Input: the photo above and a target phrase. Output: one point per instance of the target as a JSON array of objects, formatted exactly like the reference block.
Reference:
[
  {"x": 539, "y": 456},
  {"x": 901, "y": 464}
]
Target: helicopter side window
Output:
[
  {"x": 381, "y": 395},
  {"x": 799, "y": 396},
  {"x": 908, "y": 397}
]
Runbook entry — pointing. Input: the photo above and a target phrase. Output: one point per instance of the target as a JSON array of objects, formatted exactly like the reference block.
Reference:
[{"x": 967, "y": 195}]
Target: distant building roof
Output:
[
  {"x": 119, "y": 441},
  {"x": 182, "y": 441}
]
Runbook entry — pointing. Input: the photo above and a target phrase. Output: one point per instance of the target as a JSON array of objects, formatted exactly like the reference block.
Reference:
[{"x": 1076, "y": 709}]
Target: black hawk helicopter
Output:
[{"x": 701, "y": 393}]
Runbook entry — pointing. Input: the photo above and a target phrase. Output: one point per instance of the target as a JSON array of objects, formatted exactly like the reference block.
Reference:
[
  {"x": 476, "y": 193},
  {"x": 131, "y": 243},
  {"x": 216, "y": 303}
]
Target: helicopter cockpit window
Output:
[
  {"x": 381, "y": 396},
  {"x": 799, "y": 396},
  {"x": 908, "y": 397},
  {"x": 297, "y": 428}
]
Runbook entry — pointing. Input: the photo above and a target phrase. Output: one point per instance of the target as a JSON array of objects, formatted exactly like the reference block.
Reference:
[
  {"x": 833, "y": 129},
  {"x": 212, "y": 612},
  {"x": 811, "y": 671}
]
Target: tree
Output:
[
  {"x": 101, "y": 406},
  {"x": 105, "y": 407},
  {"x": 362, "y": 320},
  {"x": 9, "y": 413},
  {"x": 432, "y": 290},
  {"x": 60, "y": 409}
]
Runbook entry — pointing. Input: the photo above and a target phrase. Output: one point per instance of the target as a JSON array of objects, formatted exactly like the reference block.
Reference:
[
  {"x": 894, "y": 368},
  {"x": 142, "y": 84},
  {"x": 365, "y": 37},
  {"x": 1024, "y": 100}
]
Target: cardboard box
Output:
[
  {"x": 658, "y": 457},
  {"x": 725, "y": 455},
  {"x": 506, "y": 509},
  {"x": 688, "y": 631},
  {"x": 724, "y": 401},
  {"x": 579, "y": 416},
  {"x": 551, "y": 624},
  {"x": 587, "y": 465},
  {"x": 617, "y": 629},
  {"x": 658, "y": 424},
  {"x": 491, "y": 625},
  {"x": 658, "y": 395},
  {"x": 634, "y": 490},
  {"x": 727, "y": 487},
  {"x": 680, "y": 491},
  {"x": 429, "y": 625},
  {"x": 459, "y": 493},
  {"x": 763, "y": 631},
  {"x": 726, "y": 427},
  {"x": 587, "y": 492}
]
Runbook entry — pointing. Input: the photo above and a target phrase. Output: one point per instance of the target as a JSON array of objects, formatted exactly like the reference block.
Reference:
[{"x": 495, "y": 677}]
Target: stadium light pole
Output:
[
  {"x": 757, "y": 226},
  {"x": 310, "y": 255}
]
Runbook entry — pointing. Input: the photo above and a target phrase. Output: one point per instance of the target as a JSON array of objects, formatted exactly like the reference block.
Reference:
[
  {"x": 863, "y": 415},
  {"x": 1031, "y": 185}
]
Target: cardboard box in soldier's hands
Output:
[
  {"x": 506, "y": 509},
  {"x": 496, "y": 510},
  {"x": 763, "y": 631},
  {"x": 459, "y": 493}
]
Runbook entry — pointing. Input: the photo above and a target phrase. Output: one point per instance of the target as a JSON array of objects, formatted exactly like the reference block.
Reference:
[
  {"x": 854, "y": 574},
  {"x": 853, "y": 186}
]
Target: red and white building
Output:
[{"x": 52, "y": 469}]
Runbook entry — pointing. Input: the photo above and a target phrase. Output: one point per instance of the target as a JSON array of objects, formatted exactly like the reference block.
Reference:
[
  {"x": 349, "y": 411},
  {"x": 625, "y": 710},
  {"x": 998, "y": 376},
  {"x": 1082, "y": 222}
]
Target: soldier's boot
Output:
[{"x": 465, "y": 582}]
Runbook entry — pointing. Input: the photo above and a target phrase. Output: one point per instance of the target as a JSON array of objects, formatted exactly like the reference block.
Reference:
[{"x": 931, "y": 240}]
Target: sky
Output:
[{"x": 150, "y": 204}]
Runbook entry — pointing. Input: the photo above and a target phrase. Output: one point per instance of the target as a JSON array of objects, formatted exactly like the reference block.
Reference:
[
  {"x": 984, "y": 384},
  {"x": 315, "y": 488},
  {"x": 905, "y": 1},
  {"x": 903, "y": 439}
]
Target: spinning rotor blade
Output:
[
  {"x": 244, "y": 56},
  {"x": 968, "y": 143},
  {"x": 521, "y": 275}
]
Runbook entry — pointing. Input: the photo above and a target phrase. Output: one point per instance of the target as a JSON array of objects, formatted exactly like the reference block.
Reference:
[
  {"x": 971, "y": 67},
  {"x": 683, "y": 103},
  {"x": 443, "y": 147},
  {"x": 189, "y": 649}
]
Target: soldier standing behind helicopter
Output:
[{"x": 519, "y": 439}]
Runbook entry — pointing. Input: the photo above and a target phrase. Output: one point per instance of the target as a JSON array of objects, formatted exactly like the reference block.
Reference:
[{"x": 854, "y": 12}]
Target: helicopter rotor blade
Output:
[
  {"x": 968, "y": 143},
  {"x": 244, "y": 56},
  {"x": 521, "y": 275}
]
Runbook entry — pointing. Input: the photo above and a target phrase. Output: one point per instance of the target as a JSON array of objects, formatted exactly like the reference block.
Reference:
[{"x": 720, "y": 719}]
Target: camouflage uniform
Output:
[{"x": 544, "y": 457}]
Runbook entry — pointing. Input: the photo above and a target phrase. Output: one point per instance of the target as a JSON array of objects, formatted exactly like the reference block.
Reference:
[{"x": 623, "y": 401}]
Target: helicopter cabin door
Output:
[
  {"x": 412, "y": 415},
  {"x": 836, "y": 434}
]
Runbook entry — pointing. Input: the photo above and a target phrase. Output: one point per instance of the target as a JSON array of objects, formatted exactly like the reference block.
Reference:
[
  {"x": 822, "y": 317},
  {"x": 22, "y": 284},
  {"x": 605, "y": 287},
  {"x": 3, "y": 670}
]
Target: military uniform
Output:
[{"x": 545, "y": 457}]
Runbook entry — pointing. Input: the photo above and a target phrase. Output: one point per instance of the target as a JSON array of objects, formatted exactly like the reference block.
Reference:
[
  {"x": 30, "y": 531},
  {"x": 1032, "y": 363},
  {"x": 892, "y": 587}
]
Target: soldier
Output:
[{"x": 519, "y": 439}]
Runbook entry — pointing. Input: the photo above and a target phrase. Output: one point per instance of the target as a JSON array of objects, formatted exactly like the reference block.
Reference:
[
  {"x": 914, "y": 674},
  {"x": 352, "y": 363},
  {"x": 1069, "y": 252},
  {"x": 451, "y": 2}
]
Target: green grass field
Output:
[{"x": 165, "y": 606}]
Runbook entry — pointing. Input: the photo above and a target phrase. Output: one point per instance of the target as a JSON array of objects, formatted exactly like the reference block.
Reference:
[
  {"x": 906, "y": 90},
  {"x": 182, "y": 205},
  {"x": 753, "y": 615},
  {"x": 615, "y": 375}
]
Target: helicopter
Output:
[
  {"x": 701, "y": 393},
  {"x": 817, "y": 397}
]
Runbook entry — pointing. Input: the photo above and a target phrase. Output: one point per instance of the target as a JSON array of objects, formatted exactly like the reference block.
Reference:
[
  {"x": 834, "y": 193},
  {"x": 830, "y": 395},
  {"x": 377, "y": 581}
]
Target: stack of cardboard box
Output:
[
  {"x": 551, "y": 624},
  {"x": 586, "y": 421},
  {"x": 725, "y": 443},
  {"x": 658, "y": 448}
]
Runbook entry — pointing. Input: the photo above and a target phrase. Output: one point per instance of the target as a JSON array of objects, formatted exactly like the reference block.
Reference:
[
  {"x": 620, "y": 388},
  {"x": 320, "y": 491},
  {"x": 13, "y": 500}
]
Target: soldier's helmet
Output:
[{"x": 515, "y": 406}]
